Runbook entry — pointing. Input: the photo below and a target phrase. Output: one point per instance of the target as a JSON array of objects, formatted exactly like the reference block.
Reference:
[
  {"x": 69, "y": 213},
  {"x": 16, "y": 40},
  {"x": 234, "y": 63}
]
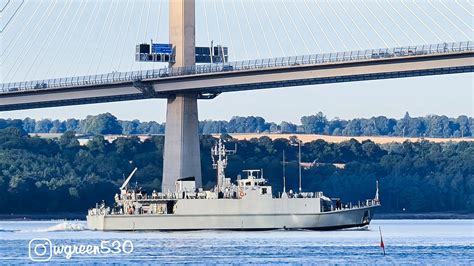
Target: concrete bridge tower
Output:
[{"x": 181, "y": 154}]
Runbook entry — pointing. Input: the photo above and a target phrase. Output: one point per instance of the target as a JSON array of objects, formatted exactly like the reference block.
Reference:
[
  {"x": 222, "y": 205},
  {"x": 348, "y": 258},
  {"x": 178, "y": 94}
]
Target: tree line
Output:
[
  {"x": 439, "y": 126},
  {"x": 59, "y": 175}
]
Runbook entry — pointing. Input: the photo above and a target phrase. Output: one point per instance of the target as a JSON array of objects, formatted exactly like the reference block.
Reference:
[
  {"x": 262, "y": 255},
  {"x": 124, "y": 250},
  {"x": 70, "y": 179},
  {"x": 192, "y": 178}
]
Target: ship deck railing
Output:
[
  {"x": 102, "y": 210},
  {"x": 350, "y": 206},
  {"x": 201, "y": 195}
]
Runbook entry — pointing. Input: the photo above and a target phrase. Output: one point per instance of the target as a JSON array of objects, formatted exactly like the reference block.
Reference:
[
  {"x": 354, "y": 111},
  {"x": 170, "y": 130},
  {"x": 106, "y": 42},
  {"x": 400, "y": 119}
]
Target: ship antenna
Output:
[
  {"x": 284, "y": 178},
  {"x": 376, "y": 199},
  {"x": 299, "y": 164}
]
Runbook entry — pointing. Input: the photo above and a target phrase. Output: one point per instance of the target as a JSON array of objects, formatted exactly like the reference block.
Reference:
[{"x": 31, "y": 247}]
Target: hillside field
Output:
[{"x": 339, "y": 139}]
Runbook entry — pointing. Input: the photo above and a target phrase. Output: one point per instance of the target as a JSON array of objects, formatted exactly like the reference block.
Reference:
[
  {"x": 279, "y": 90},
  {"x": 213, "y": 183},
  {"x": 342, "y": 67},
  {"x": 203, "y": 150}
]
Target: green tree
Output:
[
  {"x": 287, "y": 127},
  {"x": 101, "y": 124},
  {"x": 314, "y": 124}
]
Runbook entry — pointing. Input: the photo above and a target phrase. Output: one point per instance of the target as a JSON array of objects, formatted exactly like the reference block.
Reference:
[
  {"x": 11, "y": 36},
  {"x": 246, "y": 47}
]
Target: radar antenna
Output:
[
  {"x": 284, "y": 195},
  {"x": 376, "y": 198}
]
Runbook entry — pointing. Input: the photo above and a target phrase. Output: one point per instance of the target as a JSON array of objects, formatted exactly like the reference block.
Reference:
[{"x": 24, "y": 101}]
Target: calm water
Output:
[{"x": 406, "y": 241}]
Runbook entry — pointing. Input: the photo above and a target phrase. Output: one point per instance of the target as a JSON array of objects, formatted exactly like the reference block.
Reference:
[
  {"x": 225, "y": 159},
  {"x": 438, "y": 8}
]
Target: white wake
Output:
[{"x": 64, "y": 226}]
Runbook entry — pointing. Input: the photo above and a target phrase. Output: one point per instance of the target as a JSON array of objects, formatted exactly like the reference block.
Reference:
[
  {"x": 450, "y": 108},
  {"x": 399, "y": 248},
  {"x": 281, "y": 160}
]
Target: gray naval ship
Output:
[{"x": 247, "y": 204}]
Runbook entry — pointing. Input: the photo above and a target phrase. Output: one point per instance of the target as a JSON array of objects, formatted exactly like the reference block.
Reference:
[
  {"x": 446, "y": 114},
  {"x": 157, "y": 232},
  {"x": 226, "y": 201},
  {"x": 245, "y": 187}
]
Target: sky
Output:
[{"x": 54, "y": 38}]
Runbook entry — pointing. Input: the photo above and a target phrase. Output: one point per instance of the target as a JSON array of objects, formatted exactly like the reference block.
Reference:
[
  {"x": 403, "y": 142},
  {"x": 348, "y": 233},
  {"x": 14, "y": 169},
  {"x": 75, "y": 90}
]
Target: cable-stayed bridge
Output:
[{"x": 183, "y": 82}]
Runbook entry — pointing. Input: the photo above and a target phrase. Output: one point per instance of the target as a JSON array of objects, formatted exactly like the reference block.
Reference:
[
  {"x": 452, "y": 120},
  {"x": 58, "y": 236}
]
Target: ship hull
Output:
[{"x": 331, "y": 220}]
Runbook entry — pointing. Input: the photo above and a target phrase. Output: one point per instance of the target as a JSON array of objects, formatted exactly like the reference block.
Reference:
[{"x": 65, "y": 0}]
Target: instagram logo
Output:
[{"x": 40, "y": 249}]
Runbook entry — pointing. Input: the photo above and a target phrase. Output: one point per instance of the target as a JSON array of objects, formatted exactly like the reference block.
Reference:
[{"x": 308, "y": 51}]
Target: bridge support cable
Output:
[
  {"x": 5, "y": 6},
  {"x": 307, "y": 26},
  {"x": 106, "y": 42},
  {"x": 116, "y": 42},
  {"x": 232, "y": 47},
  {"x": 274, "y": 31},
  {"x": 421, "y": 21},
  {"x": 16, "y": 37},
  {"x": 219, "y": 30},
  {"x": 209, "y": 39},
  {"x": 132, "y": 65},
  {"x": 465, "y": 9},
  {"x": 75, "y": 62},
  {"x": 370, "y": 24},
  {"x": 251, "y": 30},
  {"x": 355, "y": 24},
  {"x": 284, "y": 28},
  {"x": 88, "y": 36},
  {"x": 29, "y": 43},
  {"x": 381, "y": 24},
  {"x": 80, "y": 11},
  {"x": 240, "y": 30},
  {"x": 456, "y": 16},
  {"x": 319, "y": 26},
  {"x": 296, "y": 27},
  {"x": 13, "y": 16},
  {"x": 146, "y": 25},
  {"x": 101, "y": 33},
  {"x": 125, "y": 37},
  {"x": 263, "y": 31},
  {"x": 406, "y": 22},
  {"x": 147, "y": 19},
  {"x": 450, "y": 22},
  {"x": 331, "y": 26},
  {"x": 158, "y": 27},
  {"x": 434, "y": 22},
  {"x": 395, "y": 23},
  {"x": 56, "y": 26},
  {"x": 344, "y": 25}
]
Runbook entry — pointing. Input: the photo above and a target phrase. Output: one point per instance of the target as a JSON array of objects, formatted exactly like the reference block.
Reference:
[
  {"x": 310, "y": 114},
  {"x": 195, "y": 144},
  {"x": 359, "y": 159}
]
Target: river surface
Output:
[{"x": 440, "y": 242}]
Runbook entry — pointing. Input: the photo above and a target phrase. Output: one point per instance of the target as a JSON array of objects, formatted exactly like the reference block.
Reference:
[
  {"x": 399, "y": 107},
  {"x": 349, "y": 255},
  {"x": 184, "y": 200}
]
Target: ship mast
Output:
[
  {"x": 284, "y": 177},
  {"x": 220, "y": 153}
]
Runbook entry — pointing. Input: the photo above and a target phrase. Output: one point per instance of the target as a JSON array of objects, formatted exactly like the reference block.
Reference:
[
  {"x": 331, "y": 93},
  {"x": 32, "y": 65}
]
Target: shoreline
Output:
[{"x": 378, "y": 216}]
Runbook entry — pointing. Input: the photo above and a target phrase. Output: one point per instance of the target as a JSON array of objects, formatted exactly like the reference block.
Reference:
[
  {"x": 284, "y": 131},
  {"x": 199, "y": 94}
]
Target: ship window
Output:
[
  {"x": 264, "y": 190},
  {"x": 248, "y": 183}
]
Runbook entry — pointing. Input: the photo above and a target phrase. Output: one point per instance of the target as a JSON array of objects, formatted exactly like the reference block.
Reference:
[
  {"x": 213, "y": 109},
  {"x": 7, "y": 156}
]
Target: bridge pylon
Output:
[{"x": 181, "y": 153}]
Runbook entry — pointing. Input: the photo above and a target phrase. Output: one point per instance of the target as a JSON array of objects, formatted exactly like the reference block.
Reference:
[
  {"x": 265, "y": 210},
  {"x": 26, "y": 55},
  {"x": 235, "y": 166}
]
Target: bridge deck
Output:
[
  {"x": 210, "y": 80},
  {"x": 318, "y": 59}
]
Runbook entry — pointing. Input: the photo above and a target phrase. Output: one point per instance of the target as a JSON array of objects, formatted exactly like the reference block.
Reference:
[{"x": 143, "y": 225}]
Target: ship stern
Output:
[{"x": 95, "y": 220}]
